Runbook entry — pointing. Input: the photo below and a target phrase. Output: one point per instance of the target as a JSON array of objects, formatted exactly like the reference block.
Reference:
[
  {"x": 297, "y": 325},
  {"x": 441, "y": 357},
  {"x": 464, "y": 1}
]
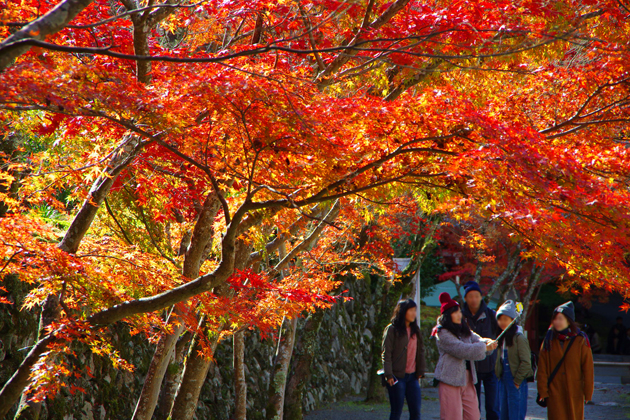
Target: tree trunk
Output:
[
  {"x": 510, "y": 285},
  {"x": 275, "y": 407},
  {"x": 534, "y": 280},
  {"x": 240, "y": 384},
  {"x": 141, "y": 47},
  {"x": 9, "y": 144},
  {"x": 197, "y": 366},
  {"x": 305, "y": 349},
  {"x": 287, "y": 329},
  {"x": 286, "y": 341},
  {"x": 193, "y": 378},
  {"x": 201, "y": 238},
  {"x": 100, "y": 189},
  {"x": 164, "y": 352},
  {"x": 391, "y": 294},
  {"x": 480, "y": 252},
  {"x": 51, "y": 311},
  {"x": 513, "y": 260},
  {"x": 84, "y": 218},
  {"x": 173, "y": 377},
  {"x": 374, "y": 393}
]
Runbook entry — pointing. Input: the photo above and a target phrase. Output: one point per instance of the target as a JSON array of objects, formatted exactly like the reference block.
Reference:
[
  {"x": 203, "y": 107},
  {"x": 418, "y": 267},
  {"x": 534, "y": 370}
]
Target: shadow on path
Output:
[{"x": 610, "y": 402}]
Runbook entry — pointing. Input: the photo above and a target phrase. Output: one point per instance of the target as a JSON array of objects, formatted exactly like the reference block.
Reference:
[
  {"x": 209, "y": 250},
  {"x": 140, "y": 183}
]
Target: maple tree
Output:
[
  {"x": 218, "y": 135},
  {"x": 491, "y": 255}
]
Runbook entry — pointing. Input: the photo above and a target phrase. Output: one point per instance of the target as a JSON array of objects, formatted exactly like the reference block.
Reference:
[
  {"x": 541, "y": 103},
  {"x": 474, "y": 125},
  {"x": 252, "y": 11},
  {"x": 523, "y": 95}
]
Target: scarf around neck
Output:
[{"x": 563, "y": 335}]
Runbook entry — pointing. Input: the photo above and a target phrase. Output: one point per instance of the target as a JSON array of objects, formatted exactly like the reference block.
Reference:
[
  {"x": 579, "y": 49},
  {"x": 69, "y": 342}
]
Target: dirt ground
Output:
[{"x": 610, "y": 402}]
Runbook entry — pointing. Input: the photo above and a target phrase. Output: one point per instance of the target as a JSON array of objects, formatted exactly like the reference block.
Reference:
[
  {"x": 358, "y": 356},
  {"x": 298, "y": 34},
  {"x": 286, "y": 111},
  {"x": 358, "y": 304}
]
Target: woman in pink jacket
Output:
[{"x": 458, "y": 347}]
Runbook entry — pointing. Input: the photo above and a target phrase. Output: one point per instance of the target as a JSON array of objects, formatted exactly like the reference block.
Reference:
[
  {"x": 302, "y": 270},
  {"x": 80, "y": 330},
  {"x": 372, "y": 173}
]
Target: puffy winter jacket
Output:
[{"x": 454, "y": 351}]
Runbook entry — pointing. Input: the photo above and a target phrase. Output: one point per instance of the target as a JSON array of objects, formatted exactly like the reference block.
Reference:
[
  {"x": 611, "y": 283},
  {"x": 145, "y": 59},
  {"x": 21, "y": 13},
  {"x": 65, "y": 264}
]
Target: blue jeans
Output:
[
  {"x": 407, "y": 387},
  {"x": 513, "y": 402},
  {"x": 491, "y": 389}
]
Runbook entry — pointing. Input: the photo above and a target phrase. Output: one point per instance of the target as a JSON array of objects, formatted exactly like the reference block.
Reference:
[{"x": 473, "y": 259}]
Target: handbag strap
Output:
[{"x": 557, "y": 368}]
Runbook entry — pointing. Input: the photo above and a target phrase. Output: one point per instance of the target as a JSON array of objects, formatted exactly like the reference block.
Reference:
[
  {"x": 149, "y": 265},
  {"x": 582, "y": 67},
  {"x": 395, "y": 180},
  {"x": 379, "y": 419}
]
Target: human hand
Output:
[
  {"x": 517, "y": 385},
  {"x": 490, "y": 346},
  {"x": 391, "y": 381}
]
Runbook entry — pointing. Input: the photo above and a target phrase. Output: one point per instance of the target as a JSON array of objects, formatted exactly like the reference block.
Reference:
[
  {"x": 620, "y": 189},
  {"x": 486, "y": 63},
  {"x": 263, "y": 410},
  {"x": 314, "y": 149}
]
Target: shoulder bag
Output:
[{"x": 543, "y": 401}]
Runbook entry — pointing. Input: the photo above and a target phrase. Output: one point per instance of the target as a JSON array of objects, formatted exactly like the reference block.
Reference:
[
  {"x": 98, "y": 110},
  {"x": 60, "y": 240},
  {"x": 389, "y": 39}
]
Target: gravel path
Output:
[{"x": 611, "y": 402}]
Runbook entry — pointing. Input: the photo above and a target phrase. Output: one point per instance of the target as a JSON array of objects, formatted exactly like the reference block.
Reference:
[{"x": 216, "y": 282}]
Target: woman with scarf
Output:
[{"x": 573, "y": 383}]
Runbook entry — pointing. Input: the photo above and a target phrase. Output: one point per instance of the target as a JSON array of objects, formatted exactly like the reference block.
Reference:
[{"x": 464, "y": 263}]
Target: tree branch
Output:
[
  {"x": 206, "y": 170},
  {"x": 312, "y": 237},
  {"x": 325, "y": 76},
  {"x": 281, "y": 237},
  {"x": 111, "y": 213},
  {"x": 51, "y": 22},
  {"x": 307, "y": 25},
  {"x": 107, "y": 51}
]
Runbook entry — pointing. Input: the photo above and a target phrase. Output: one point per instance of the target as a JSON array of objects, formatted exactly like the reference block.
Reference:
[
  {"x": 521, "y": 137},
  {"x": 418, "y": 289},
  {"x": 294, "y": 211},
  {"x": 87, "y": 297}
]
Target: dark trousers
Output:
[
  {"x": 491, "y": 389},
  {"x": 409, "y": 388}
]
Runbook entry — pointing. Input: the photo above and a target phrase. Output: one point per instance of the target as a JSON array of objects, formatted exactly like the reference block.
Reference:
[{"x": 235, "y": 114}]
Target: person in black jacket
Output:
[
  {"x": 483, "y": 321},
  {"x": 617, "y": 337}
]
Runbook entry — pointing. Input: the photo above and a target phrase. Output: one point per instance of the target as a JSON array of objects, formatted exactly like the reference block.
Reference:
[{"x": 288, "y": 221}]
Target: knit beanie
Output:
[
  {"x": 566, "y": 309},
  {"x": 447, "y": 302},
  {"x": 470, "y": 286},
  {"x": 509, "y": 309}
]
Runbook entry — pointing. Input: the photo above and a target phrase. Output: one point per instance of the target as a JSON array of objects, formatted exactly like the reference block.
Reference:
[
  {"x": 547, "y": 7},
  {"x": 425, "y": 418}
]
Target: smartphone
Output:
[{"x": 395, "y": 380}]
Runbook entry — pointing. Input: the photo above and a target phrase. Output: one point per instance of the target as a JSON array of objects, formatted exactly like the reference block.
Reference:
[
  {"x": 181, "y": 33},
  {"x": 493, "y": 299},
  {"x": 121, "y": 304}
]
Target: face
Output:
[
  {"x": 473, "y": 299},
  {"x": 504, "y": 321},
  {"x": 560, "y": 322},
  {"x": 411, "y": 314},
  {"x": 456, "y": 316}
]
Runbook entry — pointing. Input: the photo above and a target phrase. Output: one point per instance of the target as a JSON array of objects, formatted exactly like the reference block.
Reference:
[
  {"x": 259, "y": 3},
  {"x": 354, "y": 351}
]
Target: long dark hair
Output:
[
  {"x": 399, "y": 318},
  {"x": 445, "y": 320},
  {"x": 508, "y": 337}
]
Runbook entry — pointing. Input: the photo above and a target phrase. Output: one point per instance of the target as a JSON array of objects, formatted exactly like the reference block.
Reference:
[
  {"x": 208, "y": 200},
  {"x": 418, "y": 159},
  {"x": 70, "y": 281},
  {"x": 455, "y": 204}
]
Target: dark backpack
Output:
[
  {"x": 534, "y": 359},
  {"x": 534, "y": 367}
]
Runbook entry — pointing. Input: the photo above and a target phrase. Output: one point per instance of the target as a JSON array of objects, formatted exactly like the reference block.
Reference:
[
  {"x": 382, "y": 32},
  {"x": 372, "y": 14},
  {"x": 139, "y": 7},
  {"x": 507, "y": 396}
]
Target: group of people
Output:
[{"x": 471, "y": 356}]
